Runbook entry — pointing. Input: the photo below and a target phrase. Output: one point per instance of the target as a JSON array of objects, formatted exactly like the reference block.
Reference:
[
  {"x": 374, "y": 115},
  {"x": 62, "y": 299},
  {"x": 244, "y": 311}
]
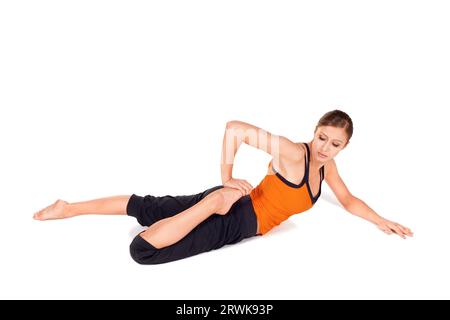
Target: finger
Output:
[
  {"x": 244, "y": 192},
  {"x": 247, "y": 187},
  {"x": 395, "y": 229},
  {"x": 243, "y": 187},
  {"x": 398, "y": 231},
  {"x": 404, "y": 230},
  {"x": 408, "y": 231},
  {"x": 237, "y": 187}
]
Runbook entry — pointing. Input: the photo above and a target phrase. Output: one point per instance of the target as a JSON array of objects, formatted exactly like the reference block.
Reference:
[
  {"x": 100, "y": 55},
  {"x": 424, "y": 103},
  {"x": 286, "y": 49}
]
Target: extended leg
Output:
[{"x": 60, "y": 209}]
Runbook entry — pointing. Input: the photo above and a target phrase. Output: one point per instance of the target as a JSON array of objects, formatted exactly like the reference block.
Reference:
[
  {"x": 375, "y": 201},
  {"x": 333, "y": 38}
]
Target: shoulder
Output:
[
  {"x": 302, "y": 145},
  {"x": 291, "y": 154},
  {"x": 302, "y": 151},
  {"x": 291, "y": 151},
  {"x": 329, "y": 168},
  {"x": 336, "y": 183}
]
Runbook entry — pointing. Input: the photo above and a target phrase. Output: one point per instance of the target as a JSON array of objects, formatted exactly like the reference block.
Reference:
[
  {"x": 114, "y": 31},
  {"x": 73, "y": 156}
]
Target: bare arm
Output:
[
  {"x": 358, "y": 207},
  {"x": 238, "y": 132}
]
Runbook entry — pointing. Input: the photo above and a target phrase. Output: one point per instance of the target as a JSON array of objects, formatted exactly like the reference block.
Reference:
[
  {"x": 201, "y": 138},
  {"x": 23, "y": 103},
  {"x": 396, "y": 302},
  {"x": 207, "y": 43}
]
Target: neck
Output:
[{"x": 314, "y": 164}]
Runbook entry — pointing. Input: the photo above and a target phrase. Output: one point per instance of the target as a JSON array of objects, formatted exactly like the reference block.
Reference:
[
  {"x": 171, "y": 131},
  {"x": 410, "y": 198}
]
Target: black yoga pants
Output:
[{"x": 214, "y": 232}]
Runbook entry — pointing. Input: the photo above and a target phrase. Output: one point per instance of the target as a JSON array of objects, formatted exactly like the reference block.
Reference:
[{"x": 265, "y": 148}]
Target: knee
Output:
[
  {"x": 217, "y": 198},
  {"x": 143, "y": 252}
]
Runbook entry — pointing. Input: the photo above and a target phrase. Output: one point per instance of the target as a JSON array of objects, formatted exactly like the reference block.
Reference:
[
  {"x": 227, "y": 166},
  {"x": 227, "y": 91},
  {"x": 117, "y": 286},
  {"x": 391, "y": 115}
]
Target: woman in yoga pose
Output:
[{"x": 186, "y": 225}]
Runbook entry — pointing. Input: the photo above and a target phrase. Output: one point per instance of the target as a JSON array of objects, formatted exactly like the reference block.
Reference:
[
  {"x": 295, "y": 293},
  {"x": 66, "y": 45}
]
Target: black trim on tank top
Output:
[
  {"x": 289, "y": 183},
  {"x": 321, "y": 173},
  {"x": 305, "y": 177}
]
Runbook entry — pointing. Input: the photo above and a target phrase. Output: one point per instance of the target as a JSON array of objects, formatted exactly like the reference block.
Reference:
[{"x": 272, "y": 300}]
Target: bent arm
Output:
[
  {"x": 230, "y": 146},
  {"x": 237, "y": 132}
]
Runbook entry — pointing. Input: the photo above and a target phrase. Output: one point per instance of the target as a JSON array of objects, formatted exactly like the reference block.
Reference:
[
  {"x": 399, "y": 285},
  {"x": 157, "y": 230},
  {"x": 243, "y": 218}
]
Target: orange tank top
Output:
[{"x": 275, "y": 199}]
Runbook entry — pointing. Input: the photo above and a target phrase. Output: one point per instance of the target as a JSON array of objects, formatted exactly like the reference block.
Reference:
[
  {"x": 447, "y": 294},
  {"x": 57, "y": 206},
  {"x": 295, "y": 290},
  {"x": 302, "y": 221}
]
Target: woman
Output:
[{"x": 186, "y": 225}]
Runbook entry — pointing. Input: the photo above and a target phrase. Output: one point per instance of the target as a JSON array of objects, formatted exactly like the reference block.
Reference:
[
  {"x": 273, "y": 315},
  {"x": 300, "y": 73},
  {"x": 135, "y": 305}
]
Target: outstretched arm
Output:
[
  {"x": 361, "y": 209},
  {"x": 358, "y": 207}
]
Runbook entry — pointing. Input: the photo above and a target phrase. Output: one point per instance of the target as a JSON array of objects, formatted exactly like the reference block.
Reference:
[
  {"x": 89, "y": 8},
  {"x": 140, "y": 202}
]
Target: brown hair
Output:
[{"x": 338, "y": 119}]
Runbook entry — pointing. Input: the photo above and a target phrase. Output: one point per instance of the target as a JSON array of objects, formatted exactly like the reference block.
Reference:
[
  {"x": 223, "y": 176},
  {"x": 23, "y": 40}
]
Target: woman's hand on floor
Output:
[
  {"x": 390, "y": 227},
  {"x": 243, "y": 185}
]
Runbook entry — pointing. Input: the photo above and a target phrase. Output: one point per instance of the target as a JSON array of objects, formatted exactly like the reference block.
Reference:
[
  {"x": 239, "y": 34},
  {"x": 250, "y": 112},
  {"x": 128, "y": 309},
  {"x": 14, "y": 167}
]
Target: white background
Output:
[{"x": 103, "y": 98}]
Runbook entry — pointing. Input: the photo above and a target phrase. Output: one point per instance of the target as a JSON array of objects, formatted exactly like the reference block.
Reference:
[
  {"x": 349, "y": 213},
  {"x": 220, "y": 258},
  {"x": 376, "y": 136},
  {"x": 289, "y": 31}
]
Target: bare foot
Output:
[
  {"x": 53, "y": 211},
  {"x": 228, "y": 197}
]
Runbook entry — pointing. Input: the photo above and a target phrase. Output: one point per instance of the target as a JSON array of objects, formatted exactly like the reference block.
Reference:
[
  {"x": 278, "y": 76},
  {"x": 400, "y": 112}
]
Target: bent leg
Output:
[
  {"x": 150, "y": 209},
  {"x": 167, "y": 231},
  {"x": 213, "y": 233}
]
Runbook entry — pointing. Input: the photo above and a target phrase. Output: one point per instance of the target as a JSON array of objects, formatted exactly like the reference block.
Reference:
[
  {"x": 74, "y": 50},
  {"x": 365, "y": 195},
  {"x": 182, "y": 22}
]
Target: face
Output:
[{"x": 328, "y": 141}]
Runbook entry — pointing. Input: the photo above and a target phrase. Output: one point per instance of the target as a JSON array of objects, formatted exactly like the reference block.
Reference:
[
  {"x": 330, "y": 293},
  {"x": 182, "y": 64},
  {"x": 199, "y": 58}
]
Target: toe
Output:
[{"x": 38, "y": 215}]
